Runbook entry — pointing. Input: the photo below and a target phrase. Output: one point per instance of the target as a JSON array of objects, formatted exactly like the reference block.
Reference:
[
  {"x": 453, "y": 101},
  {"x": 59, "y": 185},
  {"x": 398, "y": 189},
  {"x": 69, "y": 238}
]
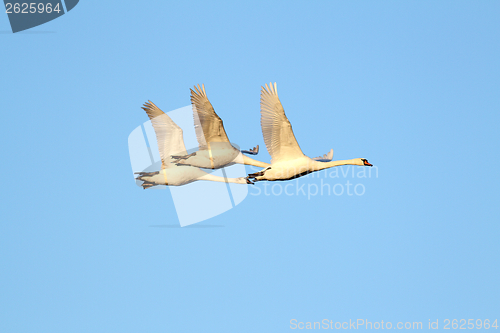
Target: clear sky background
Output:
[{"x": 413, "y": 86}]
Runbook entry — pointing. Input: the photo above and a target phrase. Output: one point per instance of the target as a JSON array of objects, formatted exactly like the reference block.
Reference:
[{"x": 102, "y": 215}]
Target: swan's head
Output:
[{"x": 365, "y": 162}]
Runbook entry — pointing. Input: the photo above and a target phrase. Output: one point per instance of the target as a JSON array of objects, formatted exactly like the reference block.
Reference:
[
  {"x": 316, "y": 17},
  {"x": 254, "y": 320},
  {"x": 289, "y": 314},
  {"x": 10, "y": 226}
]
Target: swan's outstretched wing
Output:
[
  {"x": 207, "y": 124},
  {"x": 277, "y": 130},
  {"x": 168, "y": 134},
  {"x": 325, "y": 158}
]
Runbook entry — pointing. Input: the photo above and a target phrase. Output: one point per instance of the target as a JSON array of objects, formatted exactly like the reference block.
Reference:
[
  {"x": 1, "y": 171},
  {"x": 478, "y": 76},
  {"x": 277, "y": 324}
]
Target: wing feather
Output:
[
  {"x": 207, "y": 124},
  {"x": 276, "y": 128},
  {"x": 326, "y": 157},
  {"x": 168, "y": 134}
]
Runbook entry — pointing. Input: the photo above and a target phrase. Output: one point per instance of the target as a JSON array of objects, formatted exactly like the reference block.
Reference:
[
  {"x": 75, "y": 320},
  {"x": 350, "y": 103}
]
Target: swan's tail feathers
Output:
[
  {"x": 144, "y": 177},
  {"x": 253, "y": 151},
  {"x": 325, "y": 158}
]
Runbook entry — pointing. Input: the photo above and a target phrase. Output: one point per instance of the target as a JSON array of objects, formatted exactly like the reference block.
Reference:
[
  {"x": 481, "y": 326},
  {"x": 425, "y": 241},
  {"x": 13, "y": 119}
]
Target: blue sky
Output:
[{"x": 411, "y": 86}]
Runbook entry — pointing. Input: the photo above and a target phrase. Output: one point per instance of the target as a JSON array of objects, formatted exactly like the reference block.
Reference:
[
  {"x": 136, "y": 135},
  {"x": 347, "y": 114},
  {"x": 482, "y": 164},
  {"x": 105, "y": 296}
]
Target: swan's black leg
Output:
[
  {"x": 256, "y": 174},
  {"x": 185, "y": 157},
  {"x": 250, "y": 181}
]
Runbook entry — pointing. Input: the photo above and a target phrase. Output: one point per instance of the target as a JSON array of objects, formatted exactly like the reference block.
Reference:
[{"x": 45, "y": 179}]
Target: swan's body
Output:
[
  {"x": 215, "y": 150},
  {"x": 171, "y": 142},
  {"x": 178, "y": 176},
  {"x": 286, "y": 170},
  {"x": 288, "y": 161}
]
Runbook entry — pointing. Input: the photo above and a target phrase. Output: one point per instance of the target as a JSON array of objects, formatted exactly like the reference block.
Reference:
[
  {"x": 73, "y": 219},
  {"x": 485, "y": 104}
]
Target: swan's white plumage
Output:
[
  {"x": 276, "y": 129},
  {"x": 171, "y": 142},
  {"x": 288, "y": 161},
  {"x": 168, "y": 134},
  {"x": 215, "y": 150},
  {"x": 208, "y": 125}
]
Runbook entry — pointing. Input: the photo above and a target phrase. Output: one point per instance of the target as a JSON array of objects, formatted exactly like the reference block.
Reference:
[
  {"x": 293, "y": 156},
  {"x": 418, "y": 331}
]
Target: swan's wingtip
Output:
[
  {"x": 253, "y": 151},
  {"x": 330, "y": 154},
  {"x": 325, "y": 158}
]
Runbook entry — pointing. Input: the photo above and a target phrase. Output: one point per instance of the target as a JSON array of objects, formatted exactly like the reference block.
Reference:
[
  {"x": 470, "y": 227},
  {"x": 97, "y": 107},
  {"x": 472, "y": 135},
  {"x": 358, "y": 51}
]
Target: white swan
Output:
[
  {"x": 170, "y": 142},
  {"x": 215, "y": 149},
  {"x": 288, "y": 161}
]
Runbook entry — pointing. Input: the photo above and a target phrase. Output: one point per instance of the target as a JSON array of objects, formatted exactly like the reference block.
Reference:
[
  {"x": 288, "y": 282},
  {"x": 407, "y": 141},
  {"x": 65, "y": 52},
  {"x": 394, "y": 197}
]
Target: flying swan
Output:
[
  {"x": 170, "y": 142},
  {"x": 287, "y": 159},
  {"x": 215, "y": 150}
]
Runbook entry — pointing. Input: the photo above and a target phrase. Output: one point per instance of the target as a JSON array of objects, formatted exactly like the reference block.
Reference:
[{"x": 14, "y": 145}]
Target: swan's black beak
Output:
[{"x": 365, "y": 162}]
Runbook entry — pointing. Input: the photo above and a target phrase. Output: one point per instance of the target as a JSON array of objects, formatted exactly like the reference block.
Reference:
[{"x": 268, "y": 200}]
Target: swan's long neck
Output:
[
  {"x": 250, "y": 161},
  {"x": 213, "y": 178},
  {"x": 325, "y": 165}
]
